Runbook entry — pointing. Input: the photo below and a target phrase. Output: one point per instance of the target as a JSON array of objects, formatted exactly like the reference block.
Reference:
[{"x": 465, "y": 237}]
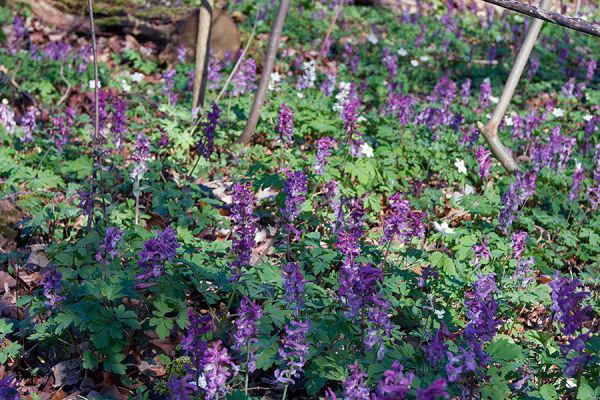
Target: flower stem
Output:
[
  {"x": 247, "y": 370},
  {"x": 285, "y": 389}
]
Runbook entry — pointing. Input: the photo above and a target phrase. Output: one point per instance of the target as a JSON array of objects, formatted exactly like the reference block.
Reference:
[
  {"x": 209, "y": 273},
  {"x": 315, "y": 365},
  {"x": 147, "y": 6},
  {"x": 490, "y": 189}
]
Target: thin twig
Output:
[
  {"x": 64, "y": 96},
  {"x": 330, "y": 30}
]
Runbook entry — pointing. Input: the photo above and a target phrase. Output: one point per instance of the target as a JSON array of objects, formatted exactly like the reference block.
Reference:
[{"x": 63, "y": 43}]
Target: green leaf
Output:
[
  {"x": 548, "y": 392},
  {"x": 502, "y": 350},
  {"x": 90, "y": 360}
]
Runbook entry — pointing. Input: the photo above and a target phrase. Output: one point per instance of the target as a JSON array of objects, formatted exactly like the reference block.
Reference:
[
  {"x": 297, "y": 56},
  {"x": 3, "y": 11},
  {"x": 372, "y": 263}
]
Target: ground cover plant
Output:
[{"x": 364, "y": 245}]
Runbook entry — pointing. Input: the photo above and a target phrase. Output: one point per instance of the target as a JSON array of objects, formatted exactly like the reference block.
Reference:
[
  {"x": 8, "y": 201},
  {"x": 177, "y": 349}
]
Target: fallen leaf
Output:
[{"x": 67, "y": 372}]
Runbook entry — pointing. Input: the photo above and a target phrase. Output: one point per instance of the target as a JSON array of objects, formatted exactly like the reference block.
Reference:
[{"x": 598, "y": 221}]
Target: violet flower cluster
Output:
[
  {"x": 293, "y": 286},
  {"x": 157, "y": 251},
  {"x": 401, "y": 105},
  {"x": 243, "y": 229},
  {"x": 296, "y": 186},
  {"x": 482, "y": 251},
  {"x": 218, "y": 368},
  {"x": 402, "y": 221},
  {"x": 568, "y": 311},
  {"x": 119, "y": 122},
  {"x": 52, "y": 284},
  {"x": 355, "y": 385},
  {"x": 485, "y": 92},
  {"x": 293, "y": 352},
  {"x": 515, "y": 197},
  {"x": 246, "y": 329},
  {"x": 244, "y": 79},
  {"x": 61, "y": 127},
  {"x": 169, "y": 85},
  {"x": 140, "y": 157},
  {"x": 107, "y": 250},
  {"x": 577, "y": 179},
  {"x": 206, "y": 144},
  {"x": 285, "y": 124},
  {"x": 484, "y": 158},
  {"x": 518, "y": 243},
  {"x": 8, "y": 388},
  {"x": 28, "y": 125},
  {"x": 7, "y": 117},
  {"x": 395, "y": 384},
  {"x": 324, "y": 146}
]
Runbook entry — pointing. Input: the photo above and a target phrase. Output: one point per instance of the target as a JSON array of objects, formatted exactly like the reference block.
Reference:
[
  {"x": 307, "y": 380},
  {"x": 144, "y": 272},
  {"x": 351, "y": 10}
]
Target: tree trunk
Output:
[
  {"x": 265, "y": 77},
  {"x": 202, "y": 51}
]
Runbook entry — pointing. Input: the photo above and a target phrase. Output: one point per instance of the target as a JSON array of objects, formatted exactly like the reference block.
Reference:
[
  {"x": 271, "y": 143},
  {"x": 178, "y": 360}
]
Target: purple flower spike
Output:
[
  {"x": 206, "y": 144},
  {"x": 218, "y": 368},
  {"x": 293, "y": 286},
  {"x": 355, "y": 385},
  {"x": 293, "y": 352},
  {"x": 52, "y": 284},
  {"x": 434, "y": 391},
  {"x": 156, "y": 252},
  {"x": 8, "y": 388},
  {"x": 193, "y": 343},
  {"x": 119, "y": 125},
  {"x": 484, "y": 158},
  {"x": 296, "y": 186},
  {"x": 140, "y": 157},
  {"x": 402, "y": 221},
  {"x": 285, "y": 124},
  {"x": 243, "y": 228},
  {"x": 169, "y": 85},
  {"x": 485, "y": 92},
  {"x": 324, "y": 146},
  {"x": 395, "y": 384},
  {"x": 107, "y": 250},
  {"x": 578, "y": 177},
  {"x": 246, "y": 329},
  {"x": 518, "y": 244}
]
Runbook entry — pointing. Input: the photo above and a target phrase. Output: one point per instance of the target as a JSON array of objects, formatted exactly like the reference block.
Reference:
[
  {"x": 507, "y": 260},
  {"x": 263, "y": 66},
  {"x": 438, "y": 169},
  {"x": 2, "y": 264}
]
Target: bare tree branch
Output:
[
  {"x": 265, "y": 77},
  {"x": 202, "y": 50},
  {"x": 490, "y": 131},
  {"x": 576, "y": 24},
  {"x": 96, "y": 114}
]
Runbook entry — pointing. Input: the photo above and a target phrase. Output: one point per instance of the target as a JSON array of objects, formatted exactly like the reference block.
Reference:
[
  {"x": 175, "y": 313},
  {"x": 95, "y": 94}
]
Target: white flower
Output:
[
  {"x": 443, "y": 228},
  {"x": 92, "y": 84},
  {"x": 587, "y": 117},
  {"x": 460, "y": 165},
  {"x": 366, "y": 150},
  {"x": 494, "y": 99},
  {"x": 488, "y": 115},
  {"x": 5, "y": 101},
  {"x": 424, "y": 58},
  {"x": 275, "y": 81},
  {"x": 310, "y": 73},
  {"x": 342, "y": 96},
  {"x": 361, "y": 119},
  {"x": 439, "y": 313},
  {"x": 372, "y": 38},
  {"x": 508, "y": 121},
  {"x": 402, "y": 52},
  {"x": 300, "y": 95},
  {"x": 137, "y": 77},
  {"x": 558, "y": 112},
  {"x": 126, "y": 86},
  {"x": 414, "y": 63}
]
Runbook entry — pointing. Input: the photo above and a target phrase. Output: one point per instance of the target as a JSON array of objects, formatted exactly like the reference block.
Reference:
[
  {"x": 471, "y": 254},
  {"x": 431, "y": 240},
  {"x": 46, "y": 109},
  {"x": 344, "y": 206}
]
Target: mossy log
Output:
[{"x": 145, "y": 19}]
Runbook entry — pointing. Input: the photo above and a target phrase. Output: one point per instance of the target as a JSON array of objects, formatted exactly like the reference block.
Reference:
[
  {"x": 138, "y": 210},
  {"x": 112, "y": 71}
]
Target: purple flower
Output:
[
  {"x": 57, "y": 51},
  {"x": 566, "y": 304},
  {"x": 515, "y": 197},
  {"x": 518, "y": 244},
  {"x": 107, "y": 250},
  {"x": 28, "y": 125},
  {"x": 19, "y": 34},
  {"x": 156, "y": 251},
  {"x": 86, "y": 201},
  {"x": 181, "y": 53},
  {"x": 244, "y": 79},
  {"x": 355, "y": 385},
  {"x": 295, "y": 194},
  {"x": 402, "y": 221},
  {"x": 52, "y": 284},
  {"x": 436, "y": 348},
  {"x": 534, "y": 67},
  {"x": 8, "y": 388},
  {"x": 169, "y": 85},
  {"x": 444, "y": 92},
  {"x": 324, "y": 146},
  {"x": 328, "y": 84},
  {"x": 293, "y": 352},
  {"x": 285, "y": 124},
  {"x": 390, "y": 61},
  {"x": 401, "y": 105},
  {"x": 7, "y": 117},
  {"x": 181, "y": 388},
  {"x": 395, "y": 384},
  {"x": 206, "y": 144},
  {"x": 434, "y": 391},
  {"x": 61, "y": 133},
  {"x": 465, "y": 91},
  {"x": 83, "y": 58},
  {"x": 119, "y": 123},
  {"x": 218, "y": 368},
  {"x": 140, "y": 157},
  {"x": 246, "y": 330},
  {"x": 568, "y": 88},
  {"x": 470, "y": 137},
  {"x": 293, "y": 285},
  {"x": 351, "y": 232},
  {"x": 350, "y": 118},
  {"x": 481, "y": 310},
  {"x": 484, "y": 158},
  {"x": 243, "y": 230},
  {"x": 193, "y": 343},
  {"x": 590, "y": 69},
  {"x": 485, "y": 91},
  {"x": 523, "y": 271},
  {"x": 578, "y": 177}
]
